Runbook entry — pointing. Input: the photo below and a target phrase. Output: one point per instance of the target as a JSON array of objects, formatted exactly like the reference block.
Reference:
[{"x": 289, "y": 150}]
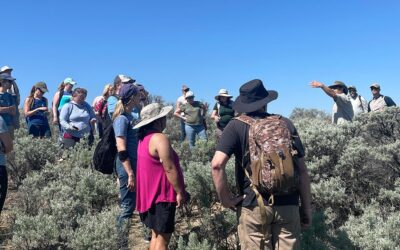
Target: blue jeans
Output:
[
  {"x": 128, "y": 203},
  {"x": 128, "y": 198},
  {"x": 183, "y": 130},
  {"x": 192, "y": 131}
]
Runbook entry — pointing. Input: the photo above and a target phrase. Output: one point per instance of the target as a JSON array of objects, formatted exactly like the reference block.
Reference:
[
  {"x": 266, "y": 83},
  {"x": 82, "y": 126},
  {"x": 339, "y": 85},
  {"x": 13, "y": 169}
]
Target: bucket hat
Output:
[
  {"x": 253, "y": 96},
  {"x": 222, "y": 92},
  {"x": 339, "y": 84},
  {"x": 151, "y": 113}
]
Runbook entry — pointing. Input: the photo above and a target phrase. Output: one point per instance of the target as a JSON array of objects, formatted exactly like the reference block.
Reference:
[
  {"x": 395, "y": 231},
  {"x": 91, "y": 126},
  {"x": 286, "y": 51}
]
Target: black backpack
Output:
[{"x": 105, "y": 152}]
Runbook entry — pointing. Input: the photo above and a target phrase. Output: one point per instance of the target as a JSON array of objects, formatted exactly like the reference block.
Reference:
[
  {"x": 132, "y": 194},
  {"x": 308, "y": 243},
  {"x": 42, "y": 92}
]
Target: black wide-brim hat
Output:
[{"x": 253, "y": 96}]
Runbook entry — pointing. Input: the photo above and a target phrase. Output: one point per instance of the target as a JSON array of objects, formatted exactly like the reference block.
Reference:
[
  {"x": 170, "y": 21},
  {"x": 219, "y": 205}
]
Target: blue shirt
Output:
[
  {"x": 123, "y": 127},
  {"x": 78, "y": 115},
  {"x": 111, "y": 103},
  {"x": 64, "y": 99},
  {"x": 40, "y": 117},
  {"x": 3, "y": 129},
  {"x": 7, "y": 100}
]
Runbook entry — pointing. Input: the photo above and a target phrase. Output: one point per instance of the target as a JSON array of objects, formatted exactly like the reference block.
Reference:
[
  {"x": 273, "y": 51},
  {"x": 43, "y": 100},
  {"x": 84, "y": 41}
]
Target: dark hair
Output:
[
  {"x": 148, "y": 128},
  {"x": 79, "y": 91}
]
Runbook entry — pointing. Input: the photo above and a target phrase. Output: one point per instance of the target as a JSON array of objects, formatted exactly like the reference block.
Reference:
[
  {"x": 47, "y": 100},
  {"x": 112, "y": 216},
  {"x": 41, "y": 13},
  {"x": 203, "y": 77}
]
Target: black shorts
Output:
[{"x": 160, "y": 217}]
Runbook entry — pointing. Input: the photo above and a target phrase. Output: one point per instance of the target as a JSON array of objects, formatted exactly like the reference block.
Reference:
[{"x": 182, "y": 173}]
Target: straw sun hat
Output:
[{"x": 151, "y": 113}]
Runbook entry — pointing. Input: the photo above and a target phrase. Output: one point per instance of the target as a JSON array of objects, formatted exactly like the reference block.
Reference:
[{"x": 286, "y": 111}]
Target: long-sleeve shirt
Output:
[{"x": 79, "y": 116}]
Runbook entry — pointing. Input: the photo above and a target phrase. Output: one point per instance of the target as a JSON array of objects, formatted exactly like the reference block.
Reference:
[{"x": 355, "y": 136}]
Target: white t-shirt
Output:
[
  {"x": 360, "y": 105},
  {"x": 181, "y": 100}
]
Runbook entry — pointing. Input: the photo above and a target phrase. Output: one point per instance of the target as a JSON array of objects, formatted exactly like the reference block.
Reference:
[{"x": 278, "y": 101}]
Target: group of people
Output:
[
  {"x": 192, "y": 115},
  {"x": 149, "y": 174},
  {"x": 349, "y": 104}
]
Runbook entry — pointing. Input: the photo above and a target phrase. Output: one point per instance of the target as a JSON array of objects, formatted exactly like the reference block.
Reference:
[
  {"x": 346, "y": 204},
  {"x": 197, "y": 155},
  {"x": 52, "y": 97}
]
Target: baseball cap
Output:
[
  {"x": 126, "y": 79},
  {"x": 127, "y": 91},
  {"x": 375, "y": 85},
  {"x": 69, "y": 80},
  {"x": 42, "y": 86},
  {"x": 5, "y": 68}
]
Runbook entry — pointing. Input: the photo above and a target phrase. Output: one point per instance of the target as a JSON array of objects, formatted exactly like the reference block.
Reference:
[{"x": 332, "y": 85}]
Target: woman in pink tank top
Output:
[{"x": 160, "y": 187}]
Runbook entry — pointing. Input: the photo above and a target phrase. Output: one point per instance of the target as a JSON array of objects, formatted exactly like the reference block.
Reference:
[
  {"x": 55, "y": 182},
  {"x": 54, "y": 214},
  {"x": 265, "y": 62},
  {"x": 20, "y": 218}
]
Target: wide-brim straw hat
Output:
[
  {"x": 151, "y": 113},
  {"x": 223, "y": 92}
]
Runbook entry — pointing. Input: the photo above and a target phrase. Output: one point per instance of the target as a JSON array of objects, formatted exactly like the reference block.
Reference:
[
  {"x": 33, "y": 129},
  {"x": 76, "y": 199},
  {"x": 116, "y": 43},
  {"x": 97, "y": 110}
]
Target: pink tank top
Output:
[{"x": 152, "y": 185}]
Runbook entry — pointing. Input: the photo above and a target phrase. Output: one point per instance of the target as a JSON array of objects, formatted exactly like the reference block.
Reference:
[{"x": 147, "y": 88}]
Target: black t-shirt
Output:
[{"x": 234, "y": 140}]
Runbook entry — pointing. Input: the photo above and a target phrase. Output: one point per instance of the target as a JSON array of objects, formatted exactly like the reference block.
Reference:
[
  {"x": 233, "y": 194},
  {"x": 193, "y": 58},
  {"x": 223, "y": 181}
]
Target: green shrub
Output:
[{"x": 30, "y": 154}]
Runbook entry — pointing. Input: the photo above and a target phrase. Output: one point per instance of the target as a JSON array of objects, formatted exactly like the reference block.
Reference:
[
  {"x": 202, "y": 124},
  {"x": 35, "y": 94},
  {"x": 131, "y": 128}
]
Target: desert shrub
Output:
[
  {"x": 200, "y": 185},
  {"x": 351, "y": 167},
  {"x": 193, "y": 243},
  {"x": 30, "y": 154},
  {"x": 98, "y": 231},
  {"x": 67, "y": 199},
  {"x": 301, "y": 113},
  {"x": 374, "y": 229}
]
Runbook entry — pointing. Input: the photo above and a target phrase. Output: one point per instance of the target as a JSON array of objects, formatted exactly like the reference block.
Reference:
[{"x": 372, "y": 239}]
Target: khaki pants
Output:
[{"x": 282, "y": 228}]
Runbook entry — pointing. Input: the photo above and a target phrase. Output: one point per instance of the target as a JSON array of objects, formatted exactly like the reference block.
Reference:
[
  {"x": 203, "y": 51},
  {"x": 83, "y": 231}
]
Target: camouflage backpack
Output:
[{"x": 273, "y": 169}]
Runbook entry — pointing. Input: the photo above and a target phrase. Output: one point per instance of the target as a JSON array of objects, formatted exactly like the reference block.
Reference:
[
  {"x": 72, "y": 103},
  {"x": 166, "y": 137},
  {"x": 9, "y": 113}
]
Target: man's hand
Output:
[
  {"x": 305, "y": 218},
  {"x": 316, "y": 84},
  {"x": 232, "y": 203}
]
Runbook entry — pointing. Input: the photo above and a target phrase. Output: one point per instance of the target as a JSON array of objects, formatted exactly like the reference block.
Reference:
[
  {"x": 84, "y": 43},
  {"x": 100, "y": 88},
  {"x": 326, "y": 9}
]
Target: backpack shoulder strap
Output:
[{"x": 246, "y": 119}]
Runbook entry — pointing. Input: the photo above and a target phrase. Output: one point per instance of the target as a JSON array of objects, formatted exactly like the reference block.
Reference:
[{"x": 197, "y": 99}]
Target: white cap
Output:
[
  {"x": 189, "y": 94},
  {"x": 126, "y": 79},
  {"x": 5, "y": 68}
]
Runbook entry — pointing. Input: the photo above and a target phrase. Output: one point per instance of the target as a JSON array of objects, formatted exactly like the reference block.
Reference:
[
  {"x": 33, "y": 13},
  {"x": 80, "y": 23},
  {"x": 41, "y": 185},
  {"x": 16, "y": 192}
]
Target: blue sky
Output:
[{"x": 207, "y": 45}]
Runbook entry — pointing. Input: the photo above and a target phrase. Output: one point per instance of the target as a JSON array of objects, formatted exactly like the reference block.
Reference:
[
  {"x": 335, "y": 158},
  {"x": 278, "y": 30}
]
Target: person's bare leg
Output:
[
  {"x": 162, "y": 241},
  {"x": 153, "y": 240}
]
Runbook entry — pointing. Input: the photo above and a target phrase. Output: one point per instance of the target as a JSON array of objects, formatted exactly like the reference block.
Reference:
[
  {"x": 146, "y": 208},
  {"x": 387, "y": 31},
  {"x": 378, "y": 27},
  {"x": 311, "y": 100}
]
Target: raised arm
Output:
[{"x": 327, "y": 90}]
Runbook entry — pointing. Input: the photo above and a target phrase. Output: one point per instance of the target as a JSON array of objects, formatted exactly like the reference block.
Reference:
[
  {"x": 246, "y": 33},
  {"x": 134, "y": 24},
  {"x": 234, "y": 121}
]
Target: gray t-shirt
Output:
[
  {"x": 3, "y": 129},
  {"x": 342, "y": 110}
]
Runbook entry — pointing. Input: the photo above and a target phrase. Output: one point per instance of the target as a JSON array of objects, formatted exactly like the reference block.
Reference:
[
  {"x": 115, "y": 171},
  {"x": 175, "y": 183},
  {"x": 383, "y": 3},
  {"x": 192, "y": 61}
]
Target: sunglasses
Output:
[{"x": 372, "y": 88}]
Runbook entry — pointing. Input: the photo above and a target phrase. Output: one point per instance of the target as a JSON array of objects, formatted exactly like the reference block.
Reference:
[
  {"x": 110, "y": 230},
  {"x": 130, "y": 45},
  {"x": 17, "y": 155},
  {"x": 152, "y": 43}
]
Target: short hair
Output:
[{"x": 79, "y": 91}]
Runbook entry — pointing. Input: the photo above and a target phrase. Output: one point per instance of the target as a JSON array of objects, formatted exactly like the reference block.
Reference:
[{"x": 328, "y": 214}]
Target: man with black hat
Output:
[
  {"x": 360, "y": 105},
  {"x": 379, "y": 102},
  {"x": 342, "y": 110},
  {"x": 262, "y": 224}
]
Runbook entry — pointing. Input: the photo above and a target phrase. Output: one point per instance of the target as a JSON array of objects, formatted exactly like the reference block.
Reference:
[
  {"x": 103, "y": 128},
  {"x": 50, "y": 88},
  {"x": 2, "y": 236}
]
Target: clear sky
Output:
[{"x": 207, "y": 45}]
